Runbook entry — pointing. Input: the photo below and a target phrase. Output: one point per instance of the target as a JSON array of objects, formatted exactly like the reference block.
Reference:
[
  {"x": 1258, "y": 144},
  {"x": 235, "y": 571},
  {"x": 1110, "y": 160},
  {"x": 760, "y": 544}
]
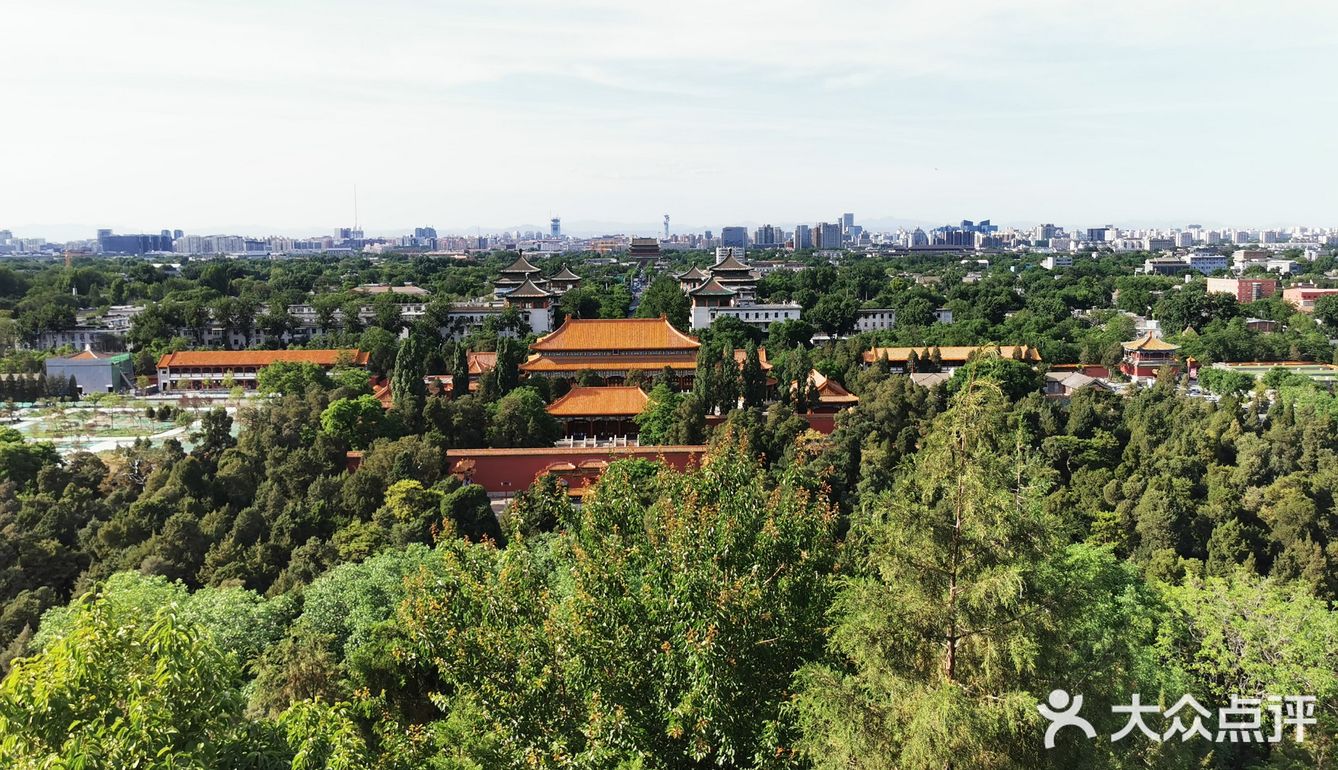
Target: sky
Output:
[{"x": 263, "y": 116}]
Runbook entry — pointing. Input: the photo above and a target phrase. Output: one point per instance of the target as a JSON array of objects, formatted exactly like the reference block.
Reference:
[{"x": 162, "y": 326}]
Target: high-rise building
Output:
[
  {"x": 424, "y": 233},
  {"x": 666, "y": 227},
  {"x": 803, "y": 237},
  {"x": 142, "y": 243},
  {"x": 847, "y": 222},
  {"x": 768, "y": 236},
  {"x": 734, "y": 237},
  {"x": 827, "y": 235},
  {"x": 177, "y": 234},
  {"x": 555, "y": 227}
]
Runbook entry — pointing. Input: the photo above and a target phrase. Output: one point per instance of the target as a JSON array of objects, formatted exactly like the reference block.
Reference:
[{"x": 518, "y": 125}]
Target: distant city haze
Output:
[{"x": 261, "y": 117}]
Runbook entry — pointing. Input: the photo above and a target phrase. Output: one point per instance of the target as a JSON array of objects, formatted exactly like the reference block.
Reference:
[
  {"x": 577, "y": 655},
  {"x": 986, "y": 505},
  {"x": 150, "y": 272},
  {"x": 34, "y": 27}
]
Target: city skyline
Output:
[
  {"x": 268, "y": 115},
  {"x": 776, "y": 232}
]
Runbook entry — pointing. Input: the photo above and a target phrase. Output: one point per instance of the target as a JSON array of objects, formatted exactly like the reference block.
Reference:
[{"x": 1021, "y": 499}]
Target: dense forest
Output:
[{"x": 901, "y": 593}]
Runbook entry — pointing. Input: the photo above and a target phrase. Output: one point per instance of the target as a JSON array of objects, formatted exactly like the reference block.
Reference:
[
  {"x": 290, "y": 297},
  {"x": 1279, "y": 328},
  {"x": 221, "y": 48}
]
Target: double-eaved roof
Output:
[{"x": 612, "y": 345}]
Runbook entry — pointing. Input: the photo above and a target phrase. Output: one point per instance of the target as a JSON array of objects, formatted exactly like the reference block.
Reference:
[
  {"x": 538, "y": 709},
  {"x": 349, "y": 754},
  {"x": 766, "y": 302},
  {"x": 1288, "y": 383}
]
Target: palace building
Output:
[
  {"x": 211, "y": 369},
  {"x": 599, "y": 412},
  {"x": 514, "y": 275},
  {"x": 693, "y": 278},
  {"x": 612, "y": 348},
  {"x": 732, "y": 273},
  {"x": 708, "y": 295},
  {"x": 535, "y": 305},
  {"x": 832, "y": 397},
  {"x": 1145, "y": 357},
  {"x": 729, "y": 288},
  {"x": 564, "y": 281}
]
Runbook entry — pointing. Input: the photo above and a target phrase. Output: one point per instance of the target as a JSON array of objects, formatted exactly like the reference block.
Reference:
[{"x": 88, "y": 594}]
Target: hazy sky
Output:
[{"x": 264, "y": 114}]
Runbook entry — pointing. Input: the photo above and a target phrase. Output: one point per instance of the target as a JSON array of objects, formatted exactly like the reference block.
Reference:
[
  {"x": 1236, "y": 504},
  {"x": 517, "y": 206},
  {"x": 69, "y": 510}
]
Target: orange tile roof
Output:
[
  {"x": 830, "y": 391},
  {"x": 381, "y": 392},
  {"x": 1148, "y": 342},
  {"x": 607, "y": 363},
  {"x": 616, "y": 334},
  {"x": 741, "y": 356},
  {"x": 482, "y": 361},
  {"x": 955, "y": 353},
  {"x": 239, "y": 358},
  {"x": 608, "y": 401}
]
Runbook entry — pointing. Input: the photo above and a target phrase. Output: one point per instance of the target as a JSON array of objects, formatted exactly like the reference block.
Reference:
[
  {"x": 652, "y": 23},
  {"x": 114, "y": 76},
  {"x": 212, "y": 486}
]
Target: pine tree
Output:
[
  {"x": 703, "y": 381},
  {"x": 666, "y": 377},
  {"x": 407, "y": 389},
  {"x": 727, "y": 381},
  {"x": 460, "y": 372},
  {"x": 507, "y": 370},
  {"x": 801, "y": 372},
  {"x": 945, "y": 620},
  {"x": 754, "y": 378},
  {"x": 883, "y": 365}
]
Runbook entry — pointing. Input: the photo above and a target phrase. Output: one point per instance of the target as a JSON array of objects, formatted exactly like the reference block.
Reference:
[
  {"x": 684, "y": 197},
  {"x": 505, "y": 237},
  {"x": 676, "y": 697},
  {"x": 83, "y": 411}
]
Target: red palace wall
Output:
[{"x": 508, "y": 471}]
